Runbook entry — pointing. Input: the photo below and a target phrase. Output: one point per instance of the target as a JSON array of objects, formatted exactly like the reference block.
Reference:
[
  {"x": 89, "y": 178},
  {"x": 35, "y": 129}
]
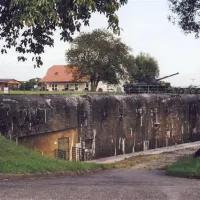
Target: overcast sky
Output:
[{"x": 145, "y": 28}]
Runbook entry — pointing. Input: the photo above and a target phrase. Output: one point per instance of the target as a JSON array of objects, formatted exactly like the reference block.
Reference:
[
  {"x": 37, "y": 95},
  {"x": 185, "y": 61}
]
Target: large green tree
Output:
[
  {"x": 185, "y": 14},
  {"x": 144, "y": 65},
  {"x": 29, "y": 25},
  {"x": 100, "y": 56}
]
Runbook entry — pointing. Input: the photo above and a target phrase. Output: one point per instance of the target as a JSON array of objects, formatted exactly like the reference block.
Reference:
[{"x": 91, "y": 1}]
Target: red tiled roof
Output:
[
  {"x": 61, "y": 73},
  {"x": 8, "y": 80}
]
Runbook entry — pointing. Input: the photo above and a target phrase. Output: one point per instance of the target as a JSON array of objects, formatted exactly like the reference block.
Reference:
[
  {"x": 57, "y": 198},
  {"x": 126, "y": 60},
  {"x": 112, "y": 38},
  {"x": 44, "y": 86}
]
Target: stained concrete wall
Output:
[
  {"x": 108, "y": 125},
  {"x": 24, "y": 115},
  {"x": 124, "y": 124}
]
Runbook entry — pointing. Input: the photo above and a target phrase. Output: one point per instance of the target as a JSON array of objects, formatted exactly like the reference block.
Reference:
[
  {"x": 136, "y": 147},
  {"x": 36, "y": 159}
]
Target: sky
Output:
[{"x": 145, "y": 29}]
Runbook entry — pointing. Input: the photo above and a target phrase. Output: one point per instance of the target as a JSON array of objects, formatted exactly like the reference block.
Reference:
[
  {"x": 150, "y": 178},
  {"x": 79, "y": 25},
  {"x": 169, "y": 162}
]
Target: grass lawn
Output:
[
  {"x": 17, "y": 159},
  {"x": 187, "y": 167},
  {"x": 56, "y": 92}
]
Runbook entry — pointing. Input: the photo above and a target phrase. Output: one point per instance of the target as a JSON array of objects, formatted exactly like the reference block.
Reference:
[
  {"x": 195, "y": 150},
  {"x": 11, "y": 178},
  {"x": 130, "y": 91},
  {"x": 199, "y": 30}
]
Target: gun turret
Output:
[{"x": 167, "y": 76}]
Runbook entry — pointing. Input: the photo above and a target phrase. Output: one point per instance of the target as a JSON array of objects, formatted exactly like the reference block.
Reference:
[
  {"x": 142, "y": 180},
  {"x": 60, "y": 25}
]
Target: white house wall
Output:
[
  {"x": 61, "y": 86},
  {"x": 110, "y": 87},
  {"x": 81, "y": 87}
]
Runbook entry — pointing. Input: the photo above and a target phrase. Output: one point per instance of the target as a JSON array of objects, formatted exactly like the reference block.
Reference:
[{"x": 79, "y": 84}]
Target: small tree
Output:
[
  {"x": 29, "y": 85},
  {"x": 144, "y": 65},
  {"x": 35, "y": 80},
  {"x": 100, "y": 56}
]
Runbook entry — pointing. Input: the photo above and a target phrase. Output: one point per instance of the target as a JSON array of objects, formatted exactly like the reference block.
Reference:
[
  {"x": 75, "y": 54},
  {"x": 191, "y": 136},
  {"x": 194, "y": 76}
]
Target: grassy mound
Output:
[
  {"x": 18, "y": 159},
  {"x": 185, "y": 167}
]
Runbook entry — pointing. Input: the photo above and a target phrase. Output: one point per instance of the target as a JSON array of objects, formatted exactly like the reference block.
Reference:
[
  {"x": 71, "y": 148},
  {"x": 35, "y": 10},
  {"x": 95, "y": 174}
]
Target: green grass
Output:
[
  {"x": 136, "y": 160},
  {"x": 187, "y": 167},
  {"x": 56, "y": 92},
  {"x": 16, "y": 159}
]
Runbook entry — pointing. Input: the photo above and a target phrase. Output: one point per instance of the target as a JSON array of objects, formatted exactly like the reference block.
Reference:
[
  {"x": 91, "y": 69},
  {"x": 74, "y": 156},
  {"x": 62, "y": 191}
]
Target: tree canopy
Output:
[
  {"x": 29, "y": 25},
  {"x": 186, "y": 14},
  {"x": 101, "y": 56},
  {"x": 29, "y": 85},
  {"x": 144, "y": 65}
]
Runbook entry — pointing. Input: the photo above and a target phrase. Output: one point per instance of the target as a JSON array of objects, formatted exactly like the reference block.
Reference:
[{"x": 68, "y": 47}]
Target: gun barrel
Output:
[{"x": 167, "y": 76}]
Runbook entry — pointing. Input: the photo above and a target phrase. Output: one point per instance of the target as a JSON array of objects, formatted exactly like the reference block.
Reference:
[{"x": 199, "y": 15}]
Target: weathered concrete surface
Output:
[
  {"x": 127, "y": 184},
  {"x": 107, "y": 125},
  {"x": 22, "y": 115}
]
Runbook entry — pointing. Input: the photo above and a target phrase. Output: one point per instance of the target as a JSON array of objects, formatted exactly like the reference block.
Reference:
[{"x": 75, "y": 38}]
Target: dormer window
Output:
[
  {"x": 67, "y": 73},
  {"x": 56, "y": 73}
]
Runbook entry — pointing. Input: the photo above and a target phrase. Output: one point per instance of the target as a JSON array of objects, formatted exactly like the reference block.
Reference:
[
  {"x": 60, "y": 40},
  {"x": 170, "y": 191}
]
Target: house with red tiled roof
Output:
[
  {"x": 61, "y": 77},
  {"x": 12, "y": 84}
]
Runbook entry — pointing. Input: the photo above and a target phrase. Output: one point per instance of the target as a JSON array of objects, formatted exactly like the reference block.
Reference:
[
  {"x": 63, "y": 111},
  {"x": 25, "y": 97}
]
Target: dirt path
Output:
[
  {"x": 155, "y": 161},
  {"x": 181, "y": 147},
  {"x": 168, "y": 158}
]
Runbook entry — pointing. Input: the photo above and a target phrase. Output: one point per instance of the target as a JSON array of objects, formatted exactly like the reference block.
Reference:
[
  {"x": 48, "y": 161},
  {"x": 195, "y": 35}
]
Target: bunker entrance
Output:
[{"x": 63, "y": 148}]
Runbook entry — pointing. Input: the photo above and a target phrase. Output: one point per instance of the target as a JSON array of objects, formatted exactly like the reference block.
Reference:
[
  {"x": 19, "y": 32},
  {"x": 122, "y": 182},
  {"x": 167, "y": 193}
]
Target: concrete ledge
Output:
[{"x": 148, "y": 152}]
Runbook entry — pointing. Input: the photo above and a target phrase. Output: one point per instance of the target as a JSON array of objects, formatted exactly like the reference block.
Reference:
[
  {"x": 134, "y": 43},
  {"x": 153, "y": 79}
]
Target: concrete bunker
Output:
[{"x": 96, "y": 126}]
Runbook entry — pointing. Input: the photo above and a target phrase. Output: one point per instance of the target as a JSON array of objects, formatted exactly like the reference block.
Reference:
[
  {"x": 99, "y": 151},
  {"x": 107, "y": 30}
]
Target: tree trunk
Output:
[
  {"x": 93, "y": 87},
  {"x": 94, "y": 79}
]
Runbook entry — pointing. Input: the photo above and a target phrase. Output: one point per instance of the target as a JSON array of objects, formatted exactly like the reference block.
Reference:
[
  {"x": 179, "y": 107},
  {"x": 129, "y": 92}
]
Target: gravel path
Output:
[
  {"x": 120, "y": 184},
  {"x": 142, "y": 182},
  {"x": 166, "y": 159}
]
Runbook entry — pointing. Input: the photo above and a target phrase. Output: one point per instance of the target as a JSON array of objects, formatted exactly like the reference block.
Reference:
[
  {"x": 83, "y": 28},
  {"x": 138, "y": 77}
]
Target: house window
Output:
[
  {"x": 67, "y": 73},
  {"x": 66, "y": 86},
  {"x": 86, "y": 86},
  {"x": 43, "y": 86},
  {"x": 54, "y": 86},
  {"x": 76, "y": 86}
]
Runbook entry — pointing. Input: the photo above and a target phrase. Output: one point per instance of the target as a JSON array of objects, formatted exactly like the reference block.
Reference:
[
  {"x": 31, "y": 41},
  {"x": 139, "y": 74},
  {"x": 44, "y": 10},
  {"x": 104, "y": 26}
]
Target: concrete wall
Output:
[
  {"x": 125, "y": 124},
  {"x": 23, "y": 115},
  {"x": 105, "y": 125}
]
